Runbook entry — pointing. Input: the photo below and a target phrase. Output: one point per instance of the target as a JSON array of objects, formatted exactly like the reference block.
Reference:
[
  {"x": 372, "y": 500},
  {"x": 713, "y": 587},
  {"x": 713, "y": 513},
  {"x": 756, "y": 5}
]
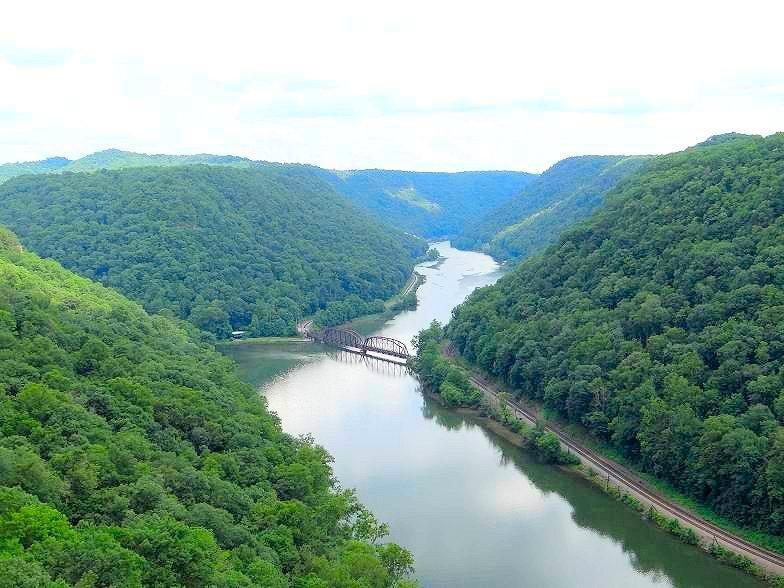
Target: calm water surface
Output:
[{"x": 473, "y": 509}]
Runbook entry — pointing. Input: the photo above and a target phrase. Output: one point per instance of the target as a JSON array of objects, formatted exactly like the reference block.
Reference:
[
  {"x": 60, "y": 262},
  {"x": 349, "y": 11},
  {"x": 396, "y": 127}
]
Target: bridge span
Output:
[{"x": 385, "y": 348}]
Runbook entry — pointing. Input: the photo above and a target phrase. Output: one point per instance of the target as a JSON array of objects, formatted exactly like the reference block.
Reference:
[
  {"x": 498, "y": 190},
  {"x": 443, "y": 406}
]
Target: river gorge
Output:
[{"x": 474, "y": 509}]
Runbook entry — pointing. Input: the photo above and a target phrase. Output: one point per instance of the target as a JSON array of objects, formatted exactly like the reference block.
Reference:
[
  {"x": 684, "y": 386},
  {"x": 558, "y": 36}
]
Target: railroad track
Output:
[{"x": 770, "y": 560}]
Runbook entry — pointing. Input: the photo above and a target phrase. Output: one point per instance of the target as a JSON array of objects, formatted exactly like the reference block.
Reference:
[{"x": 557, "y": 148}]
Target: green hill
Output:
[
  {"x": 225, "y": 248},
  {"x": 425, "y": 203},
  {"x": 431, "y": 204},
  {"x": 115, "y": 159},
  {"x": 657, "y": 324},
  {"x": 568, "y": 191},
  {"x": 132, "y": 455},
  {"x": 52, "y": 164}
]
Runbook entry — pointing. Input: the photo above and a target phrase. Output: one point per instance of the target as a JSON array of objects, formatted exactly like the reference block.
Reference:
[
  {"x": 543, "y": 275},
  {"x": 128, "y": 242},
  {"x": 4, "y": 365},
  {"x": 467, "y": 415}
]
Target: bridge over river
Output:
[{"x": 385, "y": 348}]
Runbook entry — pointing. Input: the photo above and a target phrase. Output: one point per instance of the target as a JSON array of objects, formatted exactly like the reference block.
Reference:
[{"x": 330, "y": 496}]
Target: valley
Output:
[
  {"x": 637, "y": 301},
  {"x": 473, "y": 508}
]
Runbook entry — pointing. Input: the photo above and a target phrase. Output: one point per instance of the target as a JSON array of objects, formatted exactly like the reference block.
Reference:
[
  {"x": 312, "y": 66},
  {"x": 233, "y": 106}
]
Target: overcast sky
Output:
[{"x": 414, "y": 85}]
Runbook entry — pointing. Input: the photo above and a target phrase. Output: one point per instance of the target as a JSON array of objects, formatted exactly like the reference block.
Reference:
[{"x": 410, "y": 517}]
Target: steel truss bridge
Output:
[{"x": 348, "y": 339}]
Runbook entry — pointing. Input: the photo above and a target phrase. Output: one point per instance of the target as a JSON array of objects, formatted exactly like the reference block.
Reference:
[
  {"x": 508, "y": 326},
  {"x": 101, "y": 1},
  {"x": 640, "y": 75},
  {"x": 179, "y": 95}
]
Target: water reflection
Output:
[
  {"x": 374, "y": 364},
  {"x": 474, "y": 509}
]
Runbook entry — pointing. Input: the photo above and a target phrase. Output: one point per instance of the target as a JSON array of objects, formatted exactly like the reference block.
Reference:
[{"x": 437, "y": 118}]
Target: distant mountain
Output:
[
  {"x": 544, "y": 226},
  {"x": 52, "y": 164},
  {"x": 426, "y": 203},
  {"x": 568, "y": 191},
  {"x": 222, "y": 247},
  {"x": 115, "y": 159},
  {"x": 431, "y": 204}
]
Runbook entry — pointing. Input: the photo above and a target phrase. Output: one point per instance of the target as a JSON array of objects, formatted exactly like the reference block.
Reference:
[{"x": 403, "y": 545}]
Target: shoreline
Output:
[{"x": 630, "y": 488}]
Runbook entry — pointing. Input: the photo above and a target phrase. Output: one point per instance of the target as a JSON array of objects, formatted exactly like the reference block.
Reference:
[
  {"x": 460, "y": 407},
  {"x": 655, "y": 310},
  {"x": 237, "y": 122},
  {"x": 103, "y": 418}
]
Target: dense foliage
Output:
[
  {"x": 115, "y": 159},
  {"x": 440, "y": 375},
  {"x": 52, "y": 164},
  {"x": 569, "y": 191},
  {"x": 430, "y": 204},
  {"x": 657, "y": 324},
  {"x": 222, "y": 247},
  {"x": 537, "y": 230},
  {"x": 425, "y": 203},
  {"x": 131, "y": 454}
]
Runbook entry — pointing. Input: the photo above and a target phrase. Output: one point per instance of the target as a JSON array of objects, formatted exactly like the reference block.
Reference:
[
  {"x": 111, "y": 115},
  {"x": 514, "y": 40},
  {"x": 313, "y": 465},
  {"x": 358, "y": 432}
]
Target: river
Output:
[{"x": 474, "y": 509}]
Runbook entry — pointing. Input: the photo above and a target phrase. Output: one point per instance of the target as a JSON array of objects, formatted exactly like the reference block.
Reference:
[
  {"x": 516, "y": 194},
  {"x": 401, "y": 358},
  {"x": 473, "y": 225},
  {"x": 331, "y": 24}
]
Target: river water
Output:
[{"x": 474, "y": 509}]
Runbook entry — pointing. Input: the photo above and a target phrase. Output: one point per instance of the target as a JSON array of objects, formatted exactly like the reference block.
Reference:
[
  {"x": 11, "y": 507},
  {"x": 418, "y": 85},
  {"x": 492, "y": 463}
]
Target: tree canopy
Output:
[
  {"x": 657, "y": 324},
  {"x": 132, "y": 455},
  {"x": 225, "y": 248},
  {"x": 431, "y": 204},
  {"x": 115, "y": 159},
  {"x": 567, "y": 192}
]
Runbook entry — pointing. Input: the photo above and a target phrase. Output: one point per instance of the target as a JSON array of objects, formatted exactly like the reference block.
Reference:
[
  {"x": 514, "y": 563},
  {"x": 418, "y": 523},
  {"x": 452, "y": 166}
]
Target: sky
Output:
[{"x": 423, "y": 85}]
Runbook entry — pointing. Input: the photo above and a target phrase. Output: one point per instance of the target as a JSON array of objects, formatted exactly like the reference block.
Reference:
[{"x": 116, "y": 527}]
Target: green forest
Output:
[
  {"x": 657, "y": 325},
  {"x": 567, "y": 192},
  {"x": 224, "y": 248},
  {"x": 115, "y": 159},
  {"x": 132, "y": 455},
  {"x": 430, "y": 204}
]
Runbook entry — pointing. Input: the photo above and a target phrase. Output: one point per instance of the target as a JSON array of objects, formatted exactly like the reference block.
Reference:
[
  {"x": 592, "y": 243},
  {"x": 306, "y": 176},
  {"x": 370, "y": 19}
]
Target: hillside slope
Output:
[
  {"x": 115, "y": 159},
  {"x": 222, "y": 247},
  {"x": 132, "y": 455},
  {"x": 656, "y": 324},
  {"x": 431, "y": 204},
  {"x": 542, "y": 227},
  {"x": 568, "y": 191},
  {"x": 52, "y": 164}
]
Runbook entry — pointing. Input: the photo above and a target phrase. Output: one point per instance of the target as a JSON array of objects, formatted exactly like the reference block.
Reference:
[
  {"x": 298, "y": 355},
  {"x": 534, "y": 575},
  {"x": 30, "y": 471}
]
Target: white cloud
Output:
[{"x": 435, "y": 85}]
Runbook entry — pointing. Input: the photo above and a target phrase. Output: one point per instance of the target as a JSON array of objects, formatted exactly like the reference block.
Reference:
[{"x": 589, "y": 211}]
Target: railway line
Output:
[{"x": 768, "y": 560}]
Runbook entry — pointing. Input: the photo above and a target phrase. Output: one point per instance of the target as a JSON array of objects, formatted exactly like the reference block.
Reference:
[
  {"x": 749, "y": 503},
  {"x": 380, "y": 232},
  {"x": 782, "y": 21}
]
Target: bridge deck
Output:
[{"x": 385, "y": 348}]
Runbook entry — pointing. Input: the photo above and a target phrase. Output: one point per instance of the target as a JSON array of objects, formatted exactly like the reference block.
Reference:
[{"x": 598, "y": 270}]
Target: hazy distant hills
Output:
[
  {"x": 508, "y": 214},
  {"x": 567, "y": 192},
  {"x": 52, "y": 164},
  {"x": 426, "y": 203},
  {"x": 431, "y": 204},
  {"x": 115, "y": 159}
]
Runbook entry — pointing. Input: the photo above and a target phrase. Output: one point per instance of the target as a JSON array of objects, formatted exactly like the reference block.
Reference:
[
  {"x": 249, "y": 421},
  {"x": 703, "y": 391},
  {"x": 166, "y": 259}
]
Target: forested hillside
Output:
[
  {"x": 52, "y": 164},
  {"x": 568, "y": 191},
  {"x": 430, "y": 204},
  {"x": 115, "y": 159},
  {"x": 537, "y": 230},
  {"x": 222, "y": 247},
  {"x": 657, "y": 324},
  {"x": 132, "y": 455}
]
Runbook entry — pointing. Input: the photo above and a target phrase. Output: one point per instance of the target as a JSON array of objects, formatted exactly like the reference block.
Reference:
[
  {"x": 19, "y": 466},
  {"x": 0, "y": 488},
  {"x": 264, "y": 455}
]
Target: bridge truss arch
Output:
[
  {"x": 351, "y": 340},
  {"x": 386, "y": 345},
  {"x": 343, "y": 338}
]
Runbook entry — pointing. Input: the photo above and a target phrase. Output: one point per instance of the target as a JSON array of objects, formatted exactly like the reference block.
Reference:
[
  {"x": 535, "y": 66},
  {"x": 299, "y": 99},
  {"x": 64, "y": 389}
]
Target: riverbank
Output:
[
  {"x": 629, "y": 487},
  {"x": 392, "y": 307},
  {"x": 262, "y": 341},
  {"x": 403, "y": 300},
  {"x": 472, "y": 507}
]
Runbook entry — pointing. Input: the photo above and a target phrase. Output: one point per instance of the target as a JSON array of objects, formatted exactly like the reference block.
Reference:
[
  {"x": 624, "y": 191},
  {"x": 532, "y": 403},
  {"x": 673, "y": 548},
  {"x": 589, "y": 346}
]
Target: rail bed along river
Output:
[{"x": 474, "y": 509}]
